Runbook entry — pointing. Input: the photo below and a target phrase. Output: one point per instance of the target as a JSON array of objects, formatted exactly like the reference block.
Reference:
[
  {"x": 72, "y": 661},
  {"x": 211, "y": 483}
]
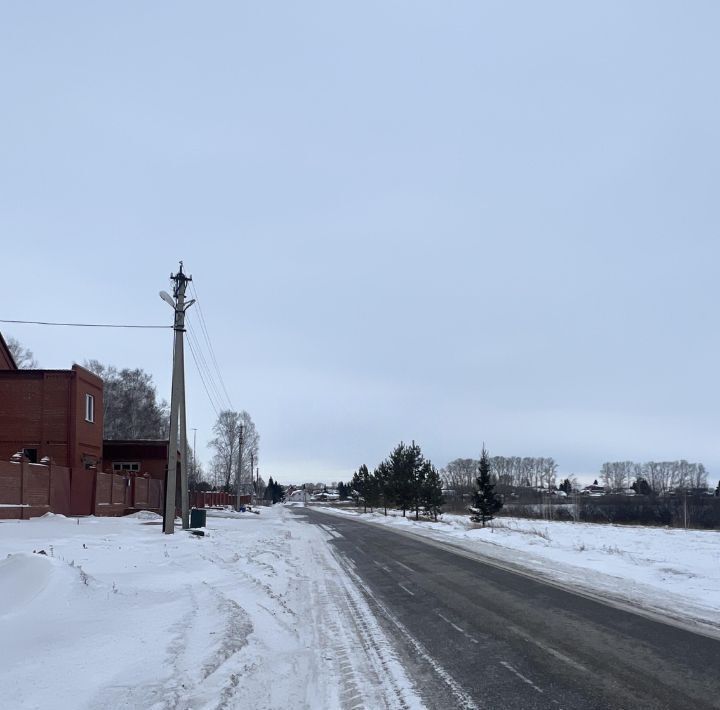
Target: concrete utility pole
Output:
[
  {"x": 239, "y": 473},
  {"x": 177, "y": 407}
]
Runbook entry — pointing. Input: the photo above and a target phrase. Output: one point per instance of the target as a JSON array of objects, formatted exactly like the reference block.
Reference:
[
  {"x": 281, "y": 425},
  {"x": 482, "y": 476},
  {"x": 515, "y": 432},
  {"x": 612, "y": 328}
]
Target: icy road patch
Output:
[{"x": 258, "y": 614}]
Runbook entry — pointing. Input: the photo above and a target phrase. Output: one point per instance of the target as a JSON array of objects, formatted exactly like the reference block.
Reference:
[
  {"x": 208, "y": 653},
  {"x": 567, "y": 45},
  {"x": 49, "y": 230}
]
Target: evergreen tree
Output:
[
  {"x": 431, "y": 495},
  {"x": 402, "y": 487},
  {"x": 278, "y": 493},
  {"x": 417, "y": 469},
  {"x": 382, "y": 476},
  {"x": 365, "y": 487},
  {"x": 641, "y": 487},
  {"x": 717, "y": 490},
  {"x": 361, "y": 486},
  {"x": 268, "y": 495},
  {"x": 373, "y": 491},
  {"x": 486, "y": 501},
  {"x": 566, "y": 486},
  {"x": 342, "y": 490}
]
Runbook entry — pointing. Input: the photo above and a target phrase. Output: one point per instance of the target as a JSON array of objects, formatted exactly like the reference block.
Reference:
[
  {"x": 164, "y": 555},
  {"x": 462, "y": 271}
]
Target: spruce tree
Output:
[
  {"x": 357, "y": 486},
  {"x": 486, "y": 501},
  {"x": 401, "y": 478},
  {"x": 417, "y": 470},
  {"x": 431, "y": 496},
  {"x": 372, "y": 491},
  {"x": 365, "y": 487},
  {"x": 382, "y": 482},
  {"x": 268, "y": 495}
]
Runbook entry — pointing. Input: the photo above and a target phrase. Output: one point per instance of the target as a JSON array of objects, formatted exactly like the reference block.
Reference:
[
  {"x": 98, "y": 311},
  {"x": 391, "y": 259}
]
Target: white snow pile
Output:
[
  {"x": 672, "y": 572},
  {"x": 256, "y": 614}
]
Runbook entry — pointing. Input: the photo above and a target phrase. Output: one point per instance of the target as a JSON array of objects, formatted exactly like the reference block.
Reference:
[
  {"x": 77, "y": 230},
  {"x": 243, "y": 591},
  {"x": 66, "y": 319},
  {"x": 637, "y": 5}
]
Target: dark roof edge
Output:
[{"x": 4, "y": 346}]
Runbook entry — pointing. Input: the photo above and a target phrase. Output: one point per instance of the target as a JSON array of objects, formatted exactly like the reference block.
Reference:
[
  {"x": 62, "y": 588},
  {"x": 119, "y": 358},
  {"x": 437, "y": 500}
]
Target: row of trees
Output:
[
  {"x": 405, "y": 480},
  {"x": 514, "y": 471},
  {"x": 654, "y": 476}
]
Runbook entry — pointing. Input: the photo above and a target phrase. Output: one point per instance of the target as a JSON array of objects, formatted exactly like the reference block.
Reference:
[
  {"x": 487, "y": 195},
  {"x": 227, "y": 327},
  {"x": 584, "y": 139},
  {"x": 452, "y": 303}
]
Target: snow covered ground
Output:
[
  {"x": 675, "y": 573},
  {"x": 257, "y": 614}
]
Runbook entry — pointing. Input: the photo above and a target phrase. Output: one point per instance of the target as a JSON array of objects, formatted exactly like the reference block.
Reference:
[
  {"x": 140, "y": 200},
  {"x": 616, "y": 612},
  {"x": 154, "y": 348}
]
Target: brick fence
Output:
[
  {"x": 28, "y": 490},
  {"x": 211, "y": 499}
]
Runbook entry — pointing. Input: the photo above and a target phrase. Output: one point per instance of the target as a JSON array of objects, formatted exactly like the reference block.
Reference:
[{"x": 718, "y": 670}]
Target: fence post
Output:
[{"x": 22, "y": 488}]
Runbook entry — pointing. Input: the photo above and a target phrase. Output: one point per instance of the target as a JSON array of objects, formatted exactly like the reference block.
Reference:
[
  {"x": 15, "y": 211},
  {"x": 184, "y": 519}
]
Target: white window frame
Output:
[
  {"x": 90, "y": 408},
  {"x": 126, "y": 466}
]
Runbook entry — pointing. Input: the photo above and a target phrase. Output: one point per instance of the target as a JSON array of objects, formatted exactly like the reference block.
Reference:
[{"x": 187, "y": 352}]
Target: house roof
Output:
[{"x": 7, "y": 361}]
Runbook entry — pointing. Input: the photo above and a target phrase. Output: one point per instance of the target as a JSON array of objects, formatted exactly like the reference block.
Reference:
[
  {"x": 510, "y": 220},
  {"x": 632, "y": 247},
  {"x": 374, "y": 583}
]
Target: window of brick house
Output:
[
  {"x": 89, "y": 408},
  {"x": 124, "y": 466}
]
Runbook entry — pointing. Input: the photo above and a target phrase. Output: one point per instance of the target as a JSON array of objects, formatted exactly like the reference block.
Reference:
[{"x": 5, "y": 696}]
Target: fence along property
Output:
[{"x": 29, "y": 490}]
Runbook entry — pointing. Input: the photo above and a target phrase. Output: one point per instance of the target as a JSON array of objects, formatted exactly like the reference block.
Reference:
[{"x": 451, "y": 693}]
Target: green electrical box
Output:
[{"x": 198, "y": 517}]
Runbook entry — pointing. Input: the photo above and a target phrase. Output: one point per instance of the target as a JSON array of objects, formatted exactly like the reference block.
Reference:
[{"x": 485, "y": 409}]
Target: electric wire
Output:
[
  {"x": 212, "y": 358},
  {"x": 206, "y": 334},
  {"x": 202, "y": 361},
  {"x": 86, "y": 325},
  {"x": 202, "y": 379},
  {"x": 203, "y": 368},
  {"x": 203, "y": 365}
]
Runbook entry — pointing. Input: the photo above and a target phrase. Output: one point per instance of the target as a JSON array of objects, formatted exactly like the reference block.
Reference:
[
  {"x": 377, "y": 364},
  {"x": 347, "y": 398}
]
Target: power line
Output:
[
  {"x": 205, "y": 380},
  {"x": 202, "y": 379},
  {"x": 206, "y": 334},
  {"x": 202, "y": 365},
  {"x": 85, "y": 325}
]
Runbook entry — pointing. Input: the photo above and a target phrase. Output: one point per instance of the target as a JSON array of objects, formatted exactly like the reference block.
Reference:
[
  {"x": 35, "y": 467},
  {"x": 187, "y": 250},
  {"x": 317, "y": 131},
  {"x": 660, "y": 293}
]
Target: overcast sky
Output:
[{"x": 452, "y": 222}]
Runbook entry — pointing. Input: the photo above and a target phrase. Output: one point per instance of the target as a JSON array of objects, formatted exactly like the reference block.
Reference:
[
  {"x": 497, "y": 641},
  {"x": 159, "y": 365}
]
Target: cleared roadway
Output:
[{"x": 473, "y": 635}]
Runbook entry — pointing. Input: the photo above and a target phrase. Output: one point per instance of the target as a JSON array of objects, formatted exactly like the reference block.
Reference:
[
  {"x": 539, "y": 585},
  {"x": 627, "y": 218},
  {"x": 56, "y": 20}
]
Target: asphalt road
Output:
[{"x": 473, "y": 635}]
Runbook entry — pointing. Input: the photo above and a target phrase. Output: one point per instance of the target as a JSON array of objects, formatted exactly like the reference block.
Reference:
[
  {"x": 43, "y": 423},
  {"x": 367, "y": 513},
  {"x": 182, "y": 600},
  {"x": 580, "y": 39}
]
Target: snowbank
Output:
[{"x": 257, "y": 614}]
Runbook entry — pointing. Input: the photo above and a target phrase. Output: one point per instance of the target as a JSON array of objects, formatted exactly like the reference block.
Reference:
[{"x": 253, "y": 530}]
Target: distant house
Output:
[{"x": 593, "y": 490}]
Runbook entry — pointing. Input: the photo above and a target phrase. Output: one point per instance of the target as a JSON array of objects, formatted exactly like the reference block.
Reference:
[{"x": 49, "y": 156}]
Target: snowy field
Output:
[
  {"x": 258, "y": 614},
  {"x": 675, "y": 573}
]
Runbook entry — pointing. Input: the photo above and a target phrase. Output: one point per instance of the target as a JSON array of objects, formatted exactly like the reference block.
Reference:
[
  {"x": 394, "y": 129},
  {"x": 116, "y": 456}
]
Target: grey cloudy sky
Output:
[{"x": 449, "y": 221}]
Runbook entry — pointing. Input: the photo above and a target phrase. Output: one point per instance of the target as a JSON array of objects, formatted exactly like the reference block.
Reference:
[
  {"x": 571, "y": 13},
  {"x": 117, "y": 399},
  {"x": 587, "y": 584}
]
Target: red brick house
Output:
[{"x": 55, "y": 414}]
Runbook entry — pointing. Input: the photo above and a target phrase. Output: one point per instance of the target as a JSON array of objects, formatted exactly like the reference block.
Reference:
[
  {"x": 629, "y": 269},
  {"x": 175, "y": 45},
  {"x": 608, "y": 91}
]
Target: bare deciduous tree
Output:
[
  {"x": 24, "y": 358},
  {"x": 661, "y": 476},
  {"x": 224, "y": 466},
  {"x": 131, "y": 409}
]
